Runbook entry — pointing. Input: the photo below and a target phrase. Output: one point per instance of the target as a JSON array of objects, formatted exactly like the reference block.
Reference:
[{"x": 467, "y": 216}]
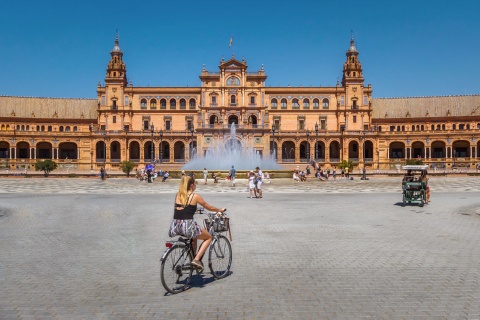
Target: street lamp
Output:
[
  {"x": 192, "y": 130},
  {"x": 308, "y": 146},
  {"x": 161, "y": 147},
  {"x": 273, "y": 141},
  {"x": 105, "y": 150},
  {"x": 152, "y": 128},
  {"x": 316, "y": 141},
  {"x": 8, "y": 167},
  {"x": 364, "y": 163}
]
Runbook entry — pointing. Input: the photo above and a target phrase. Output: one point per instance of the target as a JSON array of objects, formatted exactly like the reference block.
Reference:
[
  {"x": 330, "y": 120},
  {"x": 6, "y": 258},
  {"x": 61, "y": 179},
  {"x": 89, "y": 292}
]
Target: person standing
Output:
[
  {"x": 251, "y": 184},
  {"x": 205, "y": 175},
  {"x": 232, "y": 175},
  {"x": 335, "y": 173},
  {"x": 102, "y": 173},
  {"x": 259, "y": 182}
]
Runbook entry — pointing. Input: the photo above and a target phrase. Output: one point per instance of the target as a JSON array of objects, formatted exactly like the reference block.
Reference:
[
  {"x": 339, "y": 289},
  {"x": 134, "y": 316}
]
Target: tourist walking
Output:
[
  {"x": 232, "y": 175},
  {"x": 102, "y": 173},
  {"x": 334, "y": 173},
  {"x": 259, "y": 182},
  {"x": 251, "y": 184},
  {"x": 205, "y": 175}
]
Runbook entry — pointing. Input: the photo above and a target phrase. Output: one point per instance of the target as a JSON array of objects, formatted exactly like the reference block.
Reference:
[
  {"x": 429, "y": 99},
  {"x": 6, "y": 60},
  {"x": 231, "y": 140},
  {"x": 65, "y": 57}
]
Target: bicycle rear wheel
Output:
[
  {"x": 220, "y": 257},
  {"x": 176, "y": 269}
]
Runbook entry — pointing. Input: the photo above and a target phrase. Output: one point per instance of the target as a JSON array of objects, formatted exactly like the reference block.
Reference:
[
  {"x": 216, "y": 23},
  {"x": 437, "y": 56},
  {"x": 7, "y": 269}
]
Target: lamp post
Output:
[
  {"x": 273, "y": 141},
  {"x": 364, "y": 177},
  {"x": 91, "y": 151},
  {"x": 316, "y": 141},
  {"x": 105, "y": 150},
  {"x": 152, "y": 128},
  {"x": 8, "y": 166},
  {"x": 161, "y": 147},
  {"x": 308, "y": 146},
  {"x": 192, "y": 130}
]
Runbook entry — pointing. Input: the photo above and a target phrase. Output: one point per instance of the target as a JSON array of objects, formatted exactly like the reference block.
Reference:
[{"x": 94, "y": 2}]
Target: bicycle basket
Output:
[{"x": 219, "y": 224}]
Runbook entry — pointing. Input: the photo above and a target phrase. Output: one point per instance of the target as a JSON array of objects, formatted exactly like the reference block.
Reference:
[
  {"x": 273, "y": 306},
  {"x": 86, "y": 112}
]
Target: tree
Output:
[
  {"x": 46, "y": 165},
  {"x": 346, "y": 164},
  {"x": 127, "y": 166},
  {"x": 414, "y": 162}
]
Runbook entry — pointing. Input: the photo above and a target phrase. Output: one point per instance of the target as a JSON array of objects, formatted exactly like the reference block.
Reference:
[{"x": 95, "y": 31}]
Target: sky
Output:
[{"x": 58, "y": 48}]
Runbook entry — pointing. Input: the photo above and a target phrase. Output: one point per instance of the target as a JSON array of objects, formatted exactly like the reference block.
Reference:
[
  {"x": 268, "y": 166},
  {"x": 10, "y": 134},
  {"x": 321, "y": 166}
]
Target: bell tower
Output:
[
  {"x": 352, "y": 68},
  {"x": 116, "y": 69}
]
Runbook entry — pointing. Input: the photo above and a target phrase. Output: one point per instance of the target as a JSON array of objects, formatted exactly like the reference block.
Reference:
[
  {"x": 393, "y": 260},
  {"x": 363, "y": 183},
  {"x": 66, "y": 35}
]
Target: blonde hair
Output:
[{"x": 185, "y": 184}]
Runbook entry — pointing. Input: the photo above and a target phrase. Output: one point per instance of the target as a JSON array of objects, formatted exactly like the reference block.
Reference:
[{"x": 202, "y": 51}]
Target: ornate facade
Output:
[{"x": 170, "y": 125}]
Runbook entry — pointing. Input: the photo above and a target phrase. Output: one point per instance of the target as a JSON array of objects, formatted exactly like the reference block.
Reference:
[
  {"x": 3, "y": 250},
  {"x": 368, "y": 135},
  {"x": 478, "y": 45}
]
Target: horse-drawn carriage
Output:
[{"x": 414, "y": 184}]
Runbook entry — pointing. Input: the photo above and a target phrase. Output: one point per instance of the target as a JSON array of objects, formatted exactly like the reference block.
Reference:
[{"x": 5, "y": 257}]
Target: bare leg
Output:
[{"x": 207, "y": 238}]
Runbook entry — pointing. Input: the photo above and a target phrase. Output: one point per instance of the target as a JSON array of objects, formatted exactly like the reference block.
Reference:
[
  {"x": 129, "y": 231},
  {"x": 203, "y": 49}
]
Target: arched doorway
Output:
[
  {"x": 439, "y": 149},
  {"x": 319, "y": 151},
  {"x": 115, "y": 151},
  {"x": 44, "y": 150},
  {"x": 148, "y": 151},
  {"x": 252, "y": 120},
  {"x": 164, "y": 152},
  {"x": 334, "y": 151},
  {"x": 233, "y": 119},
  {"x": 304, "y": 151},
  {"x": 396, "y": 150},
  {"x": 179, "y": 151},
  {"x": 353, "y": 151},
  {"x": 288, "y": 151},
  {"x": 418, "y": 150},
  {"x": 134, "y": 151},
  {"x": 4, "y": 146},
  {"x": 23, "y": 150},
  {"x": 461, "y": 149},
  {"x": 67, "y": 150},
  {"x": 100, "y": 151}
]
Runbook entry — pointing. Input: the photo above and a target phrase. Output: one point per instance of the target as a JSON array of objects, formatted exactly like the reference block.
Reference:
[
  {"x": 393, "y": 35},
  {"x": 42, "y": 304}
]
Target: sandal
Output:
[{"x": 198, "y": 264}]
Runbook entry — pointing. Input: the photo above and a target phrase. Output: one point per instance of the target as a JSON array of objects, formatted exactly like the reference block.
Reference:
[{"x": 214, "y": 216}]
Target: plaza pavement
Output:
[{"x": 76, "y": 248}]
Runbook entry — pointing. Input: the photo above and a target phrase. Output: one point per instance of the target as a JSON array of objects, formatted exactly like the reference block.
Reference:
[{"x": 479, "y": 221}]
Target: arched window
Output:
[
  {"x": 316, "y": 103},
  {"x": 67, "y": 129},
  {"x": 153, "y": 104},
  {"x": 49, "y": 128},
  {"x": 183, "y": 104},
  {"x": 43, "y": 128},
  {"x": 443, "y": 126},
  {"x": 192, "y": 103},
  {"x": 75, "y": 129},
  {"x": 163, "y": 104},
  {"x": 295, "y": 104},
  {"x": 61, "y": 129},
  {"x": 143, "y": 104},
  {"x": 233, "y": 81},
  {"x": 173, "y": 104},
  {"x": 306, "y": 104},
  {"x": 273, "y": 103},
  {"x": 283, "y": 103},
  {"x": 325, "y": 103}
]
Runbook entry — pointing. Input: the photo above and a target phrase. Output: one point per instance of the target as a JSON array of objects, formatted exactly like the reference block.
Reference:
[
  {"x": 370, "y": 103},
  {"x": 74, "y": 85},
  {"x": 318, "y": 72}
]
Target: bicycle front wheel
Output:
[
  {"x": 220, "y": 257},
  {"x": 176, "y": 269}
]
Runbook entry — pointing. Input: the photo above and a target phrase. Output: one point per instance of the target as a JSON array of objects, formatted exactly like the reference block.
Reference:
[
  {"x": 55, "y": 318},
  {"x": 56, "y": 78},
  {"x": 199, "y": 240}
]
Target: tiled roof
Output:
[
  {"x": 417, "y": 107},
  {"x": 46, "y": 108}
]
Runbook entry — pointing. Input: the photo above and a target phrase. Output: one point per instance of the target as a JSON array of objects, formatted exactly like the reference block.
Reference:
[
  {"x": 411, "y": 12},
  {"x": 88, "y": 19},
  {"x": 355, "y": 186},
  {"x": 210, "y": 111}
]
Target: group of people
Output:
[{"x": 255, "y": 181}]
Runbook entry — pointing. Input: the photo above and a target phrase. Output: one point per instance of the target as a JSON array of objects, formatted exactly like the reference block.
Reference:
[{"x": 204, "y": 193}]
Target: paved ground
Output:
[{"x": 89, "y": 249}]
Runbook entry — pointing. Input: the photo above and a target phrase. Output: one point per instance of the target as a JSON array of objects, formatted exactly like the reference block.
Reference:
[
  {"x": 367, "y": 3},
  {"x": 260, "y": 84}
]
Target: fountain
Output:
[{"x": 233, "y": 151}]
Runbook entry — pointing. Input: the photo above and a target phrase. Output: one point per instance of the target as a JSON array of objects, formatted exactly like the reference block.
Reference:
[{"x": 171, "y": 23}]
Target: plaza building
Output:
[{"x": 294, "y": 125}]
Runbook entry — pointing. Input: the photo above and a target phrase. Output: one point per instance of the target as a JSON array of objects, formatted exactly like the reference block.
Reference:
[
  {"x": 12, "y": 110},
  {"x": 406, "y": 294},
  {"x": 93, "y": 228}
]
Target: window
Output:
[
  {"x": 316, "y": 103},
  {"x": 103, "y": 100},
  {"x": 126, "y": 128},
  {"x": 75, "y": 129},
  {"x": 432, "y": 127},
  {"x": 325, "y": 103},
  {"x": 274, "y": 103},
  {"x": 323, "y": 124},
  {"x": 354, "y": 119},
  {"x": 143, "y": 104},
  {"x": 283, "y": 103},
  {"x": 145, "y": 125},
  {"x": 189, "y": 124},
  {"x": 354, "y": 106},
  {"x": 183, "y": 104},
  {"x": 306, "y": 104},
  {"x": 173, "y": 104},
  {"x": 443, "y": 126},
  {"x": 342, "y": 100},
  {"x": 49, "y": 128},
  {"x": 232, "y": 81},
  {"x": 392, "y": 128},
  {"x": 252, "y": 100},
  {"x": 233, "y": 100},
  {"x": 301, "y": 124},
  {"x": 168, "y": 125},
  {"x": 454, "y": 127},
  {"x": 61, "y": 129},
  {"x": 214, "y": 100},
  {"x": 126, "y": 100},
  {"x": 114, "y": 105},
  {"x": 295, "y": 104},
  {"x": 163, "y": 104},
  {"x": 153, "y": 104},
  {"x": 114, "y": 119},
  {"x": 67, "y": 129},
  {"x": 192, "y": 104},
  {"x": 365, "y": 100}
]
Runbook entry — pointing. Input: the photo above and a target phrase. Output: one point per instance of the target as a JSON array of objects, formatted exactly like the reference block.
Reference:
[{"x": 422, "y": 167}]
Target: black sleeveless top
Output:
[{"x": 182, "y": 212}]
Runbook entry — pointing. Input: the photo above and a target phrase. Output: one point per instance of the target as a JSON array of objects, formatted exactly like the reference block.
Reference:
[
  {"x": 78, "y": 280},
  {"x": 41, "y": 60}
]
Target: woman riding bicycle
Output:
[{"x": 186, "y": 202}]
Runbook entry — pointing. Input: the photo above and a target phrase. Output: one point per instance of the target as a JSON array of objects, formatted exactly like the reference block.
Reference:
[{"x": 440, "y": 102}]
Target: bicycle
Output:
[{"x": 176, "y": 269}]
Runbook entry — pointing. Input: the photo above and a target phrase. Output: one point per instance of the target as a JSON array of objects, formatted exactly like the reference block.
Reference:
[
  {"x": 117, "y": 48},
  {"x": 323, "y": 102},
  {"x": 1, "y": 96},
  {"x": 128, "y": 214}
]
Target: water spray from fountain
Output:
[{"x": 233, "y": 150}]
